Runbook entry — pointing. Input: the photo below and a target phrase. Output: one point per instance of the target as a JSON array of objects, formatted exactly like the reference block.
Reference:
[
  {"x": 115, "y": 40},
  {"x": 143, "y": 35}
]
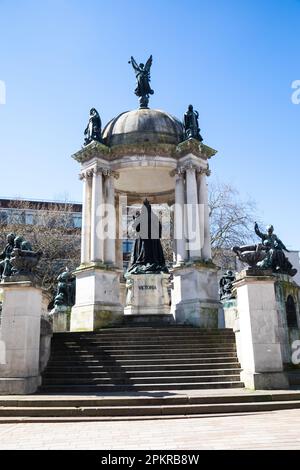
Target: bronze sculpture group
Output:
[
  {"x": 18, "y": 258},
  {"x": 267, "y": 255}
]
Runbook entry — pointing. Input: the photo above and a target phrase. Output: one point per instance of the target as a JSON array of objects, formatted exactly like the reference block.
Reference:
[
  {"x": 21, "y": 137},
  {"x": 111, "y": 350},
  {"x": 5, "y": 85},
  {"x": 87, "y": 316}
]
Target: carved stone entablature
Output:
[
  {"x": 196, "y": 148},
  {"x": 143, "y": 148},
  {"x": 98, "y": 150},
  {"x": 94, "y": 149}
]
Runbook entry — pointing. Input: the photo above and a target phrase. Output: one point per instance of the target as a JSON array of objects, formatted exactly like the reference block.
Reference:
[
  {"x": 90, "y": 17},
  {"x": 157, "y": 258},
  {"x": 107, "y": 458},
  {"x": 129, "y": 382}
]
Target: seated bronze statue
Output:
[
  {"x": 269, "y": 254},
  {"x": 147, "y": 255}
]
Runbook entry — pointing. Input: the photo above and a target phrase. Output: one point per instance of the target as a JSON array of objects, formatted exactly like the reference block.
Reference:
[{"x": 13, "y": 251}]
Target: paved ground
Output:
[{"x": 272, "y": 430}]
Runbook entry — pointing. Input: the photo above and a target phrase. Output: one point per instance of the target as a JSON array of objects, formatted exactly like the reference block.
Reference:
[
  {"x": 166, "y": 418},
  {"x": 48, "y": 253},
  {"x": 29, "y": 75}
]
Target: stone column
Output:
[
  {"x": 86, "y": 217},
  {"x": 119, "y": 233},
  {"x": 110, "y": 238},
  {"x": 96, "y": 216},
  {"x": 179, "y": 219},
  {"x": 260, "y": 350},
  {"x": 192, "y": 212},
  {"x": 204, "y": 214}
]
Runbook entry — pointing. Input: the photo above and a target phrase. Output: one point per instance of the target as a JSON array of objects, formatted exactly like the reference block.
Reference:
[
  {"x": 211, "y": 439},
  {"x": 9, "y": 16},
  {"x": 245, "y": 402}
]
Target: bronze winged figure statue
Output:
[{"x": 143, "y": 88}]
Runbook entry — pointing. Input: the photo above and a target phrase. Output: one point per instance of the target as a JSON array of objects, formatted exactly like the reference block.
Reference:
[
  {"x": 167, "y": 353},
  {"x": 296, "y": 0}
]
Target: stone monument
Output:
[{"x": 145, "y": 153}]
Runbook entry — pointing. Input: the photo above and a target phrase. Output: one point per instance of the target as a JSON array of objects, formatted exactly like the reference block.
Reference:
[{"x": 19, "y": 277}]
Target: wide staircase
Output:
[
  {"x": 142, "y": 372},
  {"x": 142, "y": 359}
]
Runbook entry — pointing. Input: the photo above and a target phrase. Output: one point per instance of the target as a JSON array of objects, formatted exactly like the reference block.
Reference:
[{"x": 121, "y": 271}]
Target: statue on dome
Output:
[
  {"x": 191, "y": 125},
  {"x": 93, "y": 129},
  {"x": 266, "y": 255},
  {"x": 147, "y": 255},
  {"x": 142, "y": 73}
]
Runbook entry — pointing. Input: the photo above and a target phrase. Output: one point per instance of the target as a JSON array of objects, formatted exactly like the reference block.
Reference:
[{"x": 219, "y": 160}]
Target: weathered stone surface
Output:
[
  {"x": 20, "y": 336},
  {"x": 260, "y": 351},
  {"x": 143, "y": 125},
  {"x": 97, "y": 299},
  {"x": 195, "y": 298},
  {"x": 147, "y": 294}
]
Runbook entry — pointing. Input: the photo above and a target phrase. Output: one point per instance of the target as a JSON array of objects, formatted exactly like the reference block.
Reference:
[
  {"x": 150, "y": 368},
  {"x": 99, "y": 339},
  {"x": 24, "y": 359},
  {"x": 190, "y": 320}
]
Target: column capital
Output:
[
  {"x": 86, "y": 174},
  {"x": 108, "y": 172},
  {"x": 190, "y": 166},
  {"x": 179, "y": 171},
  {"x": 204, "y": 171}
]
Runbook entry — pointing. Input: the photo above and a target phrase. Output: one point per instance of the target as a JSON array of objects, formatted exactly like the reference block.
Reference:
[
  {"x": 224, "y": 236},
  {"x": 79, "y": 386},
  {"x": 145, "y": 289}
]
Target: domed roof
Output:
[{"x": 143, "y": 125}]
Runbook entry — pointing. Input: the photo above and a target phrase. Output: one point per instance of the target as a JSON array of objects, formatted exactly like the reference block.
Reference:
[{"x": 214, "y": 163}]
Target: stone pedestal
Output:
[
  {"x": 195, "y": 296},
  {"x": 147, "y": 294},
  {"x": 97, "y": 299},
  {"x": 20, "y": 337},
  {"x": 61, "y": 318},
  {"x": 260, "y": 352}
]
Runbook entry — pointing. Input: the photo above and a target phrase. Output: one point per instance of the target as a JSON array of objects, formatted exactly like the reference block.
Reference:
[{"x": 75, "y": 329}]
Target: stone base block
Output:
[
  {"x": 61, "y": 319},
  {"x": 147, "y": 294},
  {"x": 19, "y": 386},
  {"x": 94, "y": 316},
  {"x": 97, "y": 299},
  {"x": 265, "y": 380},
  {"x": 197, "y": 313},
  {"x": 195, "y": 299}
]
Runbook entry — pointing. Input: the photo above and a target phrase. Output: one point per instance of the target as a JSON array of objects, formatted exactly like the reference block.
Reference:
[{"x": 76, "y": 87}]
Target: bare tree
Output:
[
  {"x": 47, "y": 227},
  {"x": 232, "y": 220}
]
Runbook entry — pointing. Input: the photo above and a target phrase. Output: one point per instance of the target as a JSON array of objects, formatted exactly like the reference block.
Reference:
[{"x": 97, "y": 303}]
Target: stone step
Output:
[
  {"x": 135, "y": 399},
  {"x": 139, "y": 335},
  {"x": 125, "y": 379},
  {"x": 142, "y": 357},
  {"x": 144, "y": 350},
  {"x": 119, "y": 373},
  {"x": 90, "y": 361},
  {"x": 154, "y": 387},
  {"x": 150, "y": 410},
  {"x": 141, "y": 342},
  {"x": 132, "y": 329},
  {"x": 142, "y": 368}
]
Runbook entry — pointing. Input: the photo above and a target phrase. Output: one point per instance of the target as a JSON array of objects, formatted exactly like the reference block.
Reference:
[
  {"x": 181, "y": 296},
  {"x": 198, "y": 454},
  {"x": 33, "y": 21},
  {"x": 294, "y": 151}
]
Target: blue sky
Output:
[{"x": 234, "y": 60}]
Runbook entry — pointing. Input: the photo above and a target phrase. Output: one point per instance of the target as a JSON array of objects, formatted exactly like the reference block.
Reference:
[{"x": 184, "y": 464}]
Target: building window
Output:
[
  {"x": 77, "y": 221},
  {"x": 291, "y": 313},
  {"x": 18, "y": 217},
  {"x": 3, "y": 217}
]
